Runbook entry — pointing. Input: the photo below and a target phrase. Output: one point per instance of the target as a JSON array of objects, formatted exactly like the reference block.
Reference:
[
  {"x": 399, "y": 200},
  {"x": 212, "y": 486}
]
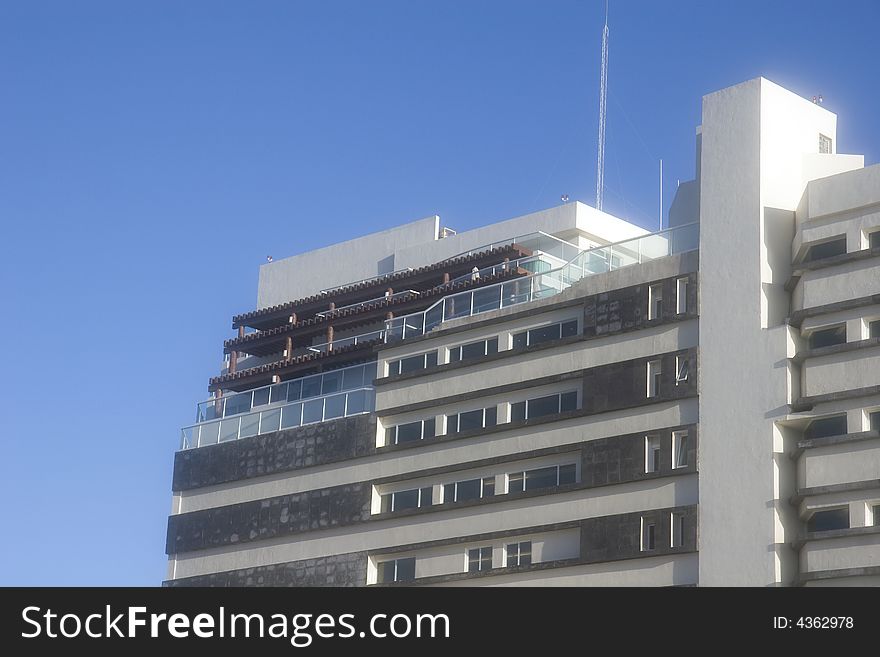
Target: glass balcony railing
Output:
[
  {"x": 316, "y": 385},
  {"x": 543, "y": 284},
  {"x": 280, "y": 416}
]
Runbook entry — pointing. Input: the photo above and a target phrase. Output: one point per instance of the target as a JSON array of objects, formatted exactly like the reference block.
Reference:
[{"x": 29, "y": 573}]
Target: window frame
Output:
[
  {"x": 527, "y": 404},
  {"x": 682, "y": 363},
  {"x": 833, "y": 509},
  {"x": 831, "y": 329},
  {"x": 648, "y": 535},
  {"x": 518, "y": 554},
  {"x": 420, "y": 503},
  {"x": 522, "y": 475},
  {"x": 654, "y": 372},
  {"x": 528, "y": 333},
  {"x": 679, "y": 447},
  {"x": 652, "y": 454},
  {"x": 485, "y": 486},
  {"x": 455, "y": 419},
  {"x": 459, "y": 349},
  {"x": 676, "y": 529},
  {"x": 655, "y": 301},
  {"x": 392, "y": 433},
  {"x": 481, "y": 559},
  {"x": 396, "y": 570},
  {"x": 837, "y": 240},
  {"x": 426, "y": 364},
  {"x": 681, "y": 292}
]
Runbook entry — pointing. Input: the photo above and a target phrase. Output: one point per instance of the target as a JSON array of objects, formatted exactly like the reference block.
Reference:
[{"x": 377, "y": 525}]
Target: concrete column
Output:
[{"x": 288, "y": 347}]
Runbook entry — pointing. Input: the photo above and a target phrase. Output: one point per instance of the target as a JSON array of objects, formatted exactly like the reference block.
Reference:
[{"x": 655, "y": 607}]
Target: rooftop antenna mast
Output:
[{"x": 603, "y": 93}]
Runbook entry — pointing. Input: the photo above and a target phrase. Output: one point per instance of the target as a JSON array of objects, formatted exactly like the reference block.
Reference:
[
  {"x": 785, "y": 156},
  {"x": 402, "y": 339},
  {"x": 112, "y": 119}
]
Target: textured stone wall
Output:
[
  {"x": 337, "y": 570},
  {"x": 619, "y": 459},
  {"x": 271, "y": 518},
  {"x": 281, "y": 451},
  {"x": 611, "y": 538}
]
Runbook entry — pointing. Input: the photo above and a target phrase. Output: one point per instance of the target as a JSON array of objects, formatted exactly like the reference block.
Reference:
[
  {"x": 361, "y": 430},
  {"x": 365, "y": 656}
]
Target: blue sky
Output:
[{"x": 153, "y": 153}]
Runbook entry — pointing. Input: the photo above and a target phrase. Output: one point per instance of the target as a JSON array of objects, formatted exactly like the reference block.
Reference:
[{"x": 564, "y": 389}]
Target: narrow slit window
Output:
[
  {"x": 655, "y": 301},
  {"x": 654, "y": 372},
  {"x": 676, "y": 530},
  {"x": 652, "y": 454},
  {"x": 682, "y": 369},
  {"x": 681, "y": 293},
  {"x": 679, "y": 449},
  {"x": 649, "y": 535}
]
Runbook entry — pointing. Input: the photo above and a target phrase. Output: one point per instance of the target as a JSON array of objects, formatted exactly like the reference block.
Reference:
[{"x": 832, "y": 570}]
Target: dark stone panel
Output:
[
  {"x": 612, "y": 538},
  {"x": 624, "y": 385},
  {"x": 280, "y": 451},
  {"x": 270, "y": 518},
  {"x": 626, "y": 309},
  {"x": 336, "y": 570},
  {"x": 619, "y": 459}
]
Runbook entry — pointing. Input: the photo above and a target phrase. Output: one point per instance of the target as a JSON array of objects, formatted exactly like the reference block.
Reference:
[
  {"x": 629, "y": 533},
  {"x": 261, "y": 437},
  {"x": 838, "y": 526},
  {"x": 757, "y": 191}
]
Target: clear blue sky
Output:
[{"x": 153, "y": 153}]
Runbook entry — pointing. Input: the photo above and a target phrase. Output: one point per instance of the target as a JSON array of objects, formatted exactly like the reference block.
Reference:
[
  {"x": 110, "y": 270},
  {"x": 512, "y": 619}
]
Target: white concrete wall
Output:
[
  {"x": 839, "y": 464},
  {"x": 837, "y": 553},
  {"x": 839, "y": 372},
  {"x": 851, "y": 280}
]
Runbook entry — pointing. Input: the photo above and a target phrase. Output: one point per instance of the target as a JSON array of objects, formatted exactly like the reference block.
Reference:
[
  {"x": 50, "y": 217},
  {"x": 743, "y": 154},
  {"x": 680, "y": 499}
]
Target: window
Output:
[
  {"x": 874, "y": 240},
  {"x": 407, "y": 499},
  {"x": 826, "y": 249},
  {"x": 555, "y": 475},
  {"x": 828, "y": 337},
  {"x": 876, "y": 516},
  {"x": 649, "y": 535},
  {"x": 545, "y": 334},
  {"x": 682, "y": 369},
  {"x": 874, "y": 421},
  {"x": 676, "y": 530},
  {"x": 412, "y": 363},
  {"x": 654, "y": 372},
  {"x": 472, "y": 420},
  {"x": 679, "y": 449},
  {"x": 824, "y": 521},
  {"x": 652, "y": 454},
  {"x": 519, "y": 554},
  {"x": 410, "y": 432},
  {"x": 874, "y": 329},
  {"x": 827, "y": 426},
  {"x": 473, "y": 350},
  {"x": 540, "y": 406},
  {"x": 681, "y": 294},
  {"x": 472, "y": 489},
  {"x": 655, "y": 301},
  {"x": 479, "y": 559},
  {"x": 399, "y": 570},
  {"x": 824, "y": 144}
]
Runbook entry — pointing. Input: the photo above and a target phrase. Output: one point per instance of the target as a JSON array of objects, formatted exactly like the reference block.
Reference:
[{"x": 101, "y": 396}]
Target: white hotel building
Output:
[{"x": 564, "y": 398}]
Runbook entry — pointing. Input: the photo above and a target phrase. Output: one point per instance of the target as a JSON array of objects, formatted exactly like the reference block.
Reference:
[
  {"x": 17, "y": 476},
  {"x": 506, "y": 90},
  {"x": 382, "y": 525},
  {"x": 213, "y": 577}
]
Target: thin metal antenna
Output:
[
  {"x": 661, "y": 194},
  {"x": 603, "y": 93}
]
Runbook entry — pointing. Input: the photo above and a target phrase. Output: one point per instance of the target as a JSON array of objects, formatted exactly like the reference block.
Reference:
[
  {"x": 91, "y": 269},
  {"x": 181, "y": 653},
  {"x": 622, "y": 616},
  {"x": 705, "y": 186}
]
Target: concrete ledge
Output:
[
  {"x": 846, "y": 347},
  {"x": 834, "y": 488},
  {"x": 839, "y": 533},
  {"x": 797, "y": 318},
  {"x": 864, "y": 571},
  {"x": 827, "y": 441},
  {"x": 807, "y": 403}
]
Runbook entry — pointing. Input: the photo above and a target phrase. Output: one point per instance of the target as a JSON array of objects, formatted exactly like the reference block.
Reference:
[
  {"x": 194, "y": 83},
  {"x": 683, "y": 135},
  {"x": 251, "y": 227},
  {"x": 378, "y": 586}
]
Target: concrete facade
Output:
[{"x": 624, "y": 408}]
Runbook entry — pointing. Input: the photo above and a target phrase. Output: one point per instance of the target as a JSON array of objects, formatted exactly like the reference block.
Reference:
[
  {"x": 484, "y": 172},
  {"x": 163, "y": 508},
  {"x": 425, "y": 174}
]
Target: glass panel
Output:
[
  {"x": 229, "y": 429},
  {"x": 291, "y": 416},
  {"x": 569, "y": 328},
  {"x": 278, "y": 393},
  {"x": 426, "y": 496},
  {"x": 488, "y": 486},
  {"x": 828, "y": 426},
  {"x": 525, "y": 553},
  {"x": 311, "y": 386},
  {"x": 431, "y": 359},
  {"x": 261, "y": 397},
  {"x": 518, "y": 411},
  {"x": 823, "y": 521},
  {"x": 353, "y": 377},
  {"x": 828, "y": 337},
  {"x": 332, "y": 383},
  {"x": 249, "y": 425},
  {"x": 492, "y": 346},
  {"x": 491, "y": 416},
  {"x": 406, "y": 569},
  {"x": 451, "y": 424},
  {"x": 543, "y": 406},
  {"x": 473, "y": 350},
  {"x": 515, "y": 292},
  {"x": 455, "y": 354},
  {"x": 486, "y": 558},
  {"x": 541, "y": 478},
  {"x": 512, "y": 554},
  {"x": 334, "y": 407},
  {"x": 448, "y": 493},
  {"x": 430, "y": 428},
  {"x": 210, "y": 410},
  {"x": 270, "y": 421},
  {"x": 394, "y": 330},
  {"x": 458, "y": 305},
  {"x": 515, "y": 482},
  {"x": 826, "y": 250},
  {"x": 188, "y": 437},
  {"x": 209, "y": 433},
  {"x": 681, "y": 458},
  {"x": 413, "y": 325},
  {"x": 406, "y": 499},
  {"x": 486, "y": 299},
  {"x": 433, "y": 317},
  {"x": 357, "y": 402},
  {"x": 874, "y": 418},
  {"x": 236, "y": 404},
  {"x": 474, "y": 560},
  {"x": 467, "y": 490},
  {"x": 294, "y": 390},
  {"x": 567, "y": 474},
  {"x": 520, "y": 340},
  {"x": 386, "y": 572},
  {"x": 874, "y": 240},
  {"x": 409, "y": 432},
  {"x": 568, "y": 401},
  {"x": 470, "y": 420},
  {"x": 874, "y": 327},
  {"x": 313, "y": 411},
  {"x": 412, "y": 364}
]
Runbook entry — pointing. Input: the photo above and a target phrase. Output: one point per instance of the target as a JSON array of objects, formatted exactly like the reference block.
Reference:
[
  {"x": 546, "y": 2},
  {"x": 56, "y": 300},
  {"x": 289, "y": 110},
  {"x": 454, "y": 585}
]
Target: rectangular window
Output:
[
  {"x": 828, "y": 337},
  {"x": 555, "y": 475},
  {"x": 676, "y": 530},
  {"x": 682, "y": 369},
  {"x": 407, "y": 499},
  {"x": 399, "y": 570},
  {"x": 546, "y": 333},
  {"x": 541, "y": 406},
  {"x": 479, "y": 559},
  {"x": 824, "y": 144},
  {"x": 827, "y": 426},
  {"x": 519, "y": 554},
  {"x": 472, "y": 489},
  {"x": 654, "y": 372},
  {"x": 830, "y": 249},
  {"x": 874, "y": 329},
  {"x": 472, "y": 420},
  {"x": 410, "y": 432},
  {"x": 412, "y": 363},
  {"x": 655, "y": 301},
  {"x": 874, "y": 420},
  {"x": 681, "y": 296},
  {"x": 874, "y": 240},
  {"x": 649, "y": 535},
  {"x": 877, "y": 515},
  {"x": 652, "y": 454},
  {"x": 824, "y": 521},
  {"x": 473, "y": 350},
  {"x": 679, "y": 449}
]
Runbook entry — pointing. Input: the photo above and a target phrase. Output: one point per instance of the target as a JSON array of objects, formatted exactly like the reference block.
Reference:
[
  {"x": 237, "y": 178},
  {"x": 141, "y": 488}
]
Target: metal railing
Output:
[
  {"x": 315, "y": 385},
  {"x": 361, "y": 304},
  {"x": 277, "y": 417},
  {"x": 540, "y": 285},
  {"x": 537, "y": 241}
]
